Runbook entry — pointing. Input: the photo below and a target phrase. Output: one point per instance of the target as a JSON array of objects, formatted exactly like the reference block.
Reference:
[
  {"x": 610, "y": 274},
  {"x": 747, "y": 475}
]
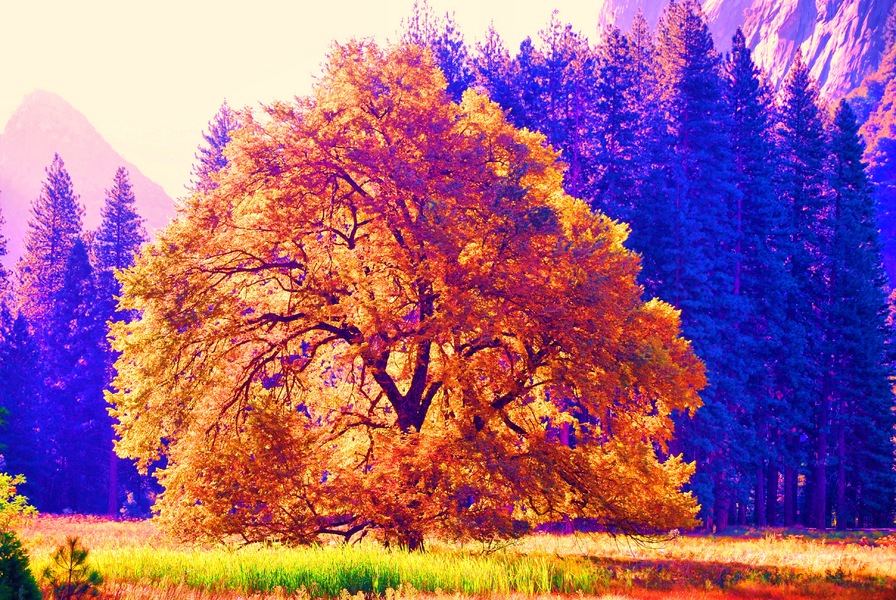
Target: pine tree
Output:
[
  {"x": 890, "y": 29},
  {"x": 76, "y": 376},
  {"x": 760, "y": 276},
  {"x": 553, "y": 93},
  {"x": 116, "y": 242},
  {"x": 617, "y": 126},
  {"x": 121, "y": 231},
  {"x": 6, "y": 322},
  {"x": 53, "y": 231},
  {"x": 529, "y": 68},
  {"x": 695, "y": 249},
  {"x": 54, "y": 227},
  {"x": 652, "y": 157},
  {"x": 22, "y": 394},
  {"x": 446, "y": 42},
  {"x": 4, "y": 275},
  {"x": 642, "y": 51},
  {"x": 567, "y": 101},
  {"x": 452, "y": 56},
  {"x": 861, "y": 399},
  {"x": 802, "y": 185},
  {"x": 493, "y": 71},
  {"x": 211, "y": 155}
]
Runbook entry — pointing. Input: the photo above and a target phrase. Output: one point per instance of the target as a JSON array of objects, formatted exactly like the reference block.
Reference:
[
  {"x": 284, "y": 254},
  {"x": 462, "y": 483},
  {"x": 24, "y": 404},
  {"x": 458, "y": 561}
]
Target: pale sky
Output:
[{"x": 150, "y": 74}]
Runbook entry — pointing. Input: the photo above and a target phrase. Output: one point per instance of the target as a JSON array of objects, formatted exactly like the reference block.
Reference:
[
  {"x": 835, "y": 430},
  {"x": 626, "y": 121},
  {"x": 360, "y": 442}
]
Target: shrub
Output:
[
  {"x": 12, "y": 506},
  {"x": 16, "y": 580}
]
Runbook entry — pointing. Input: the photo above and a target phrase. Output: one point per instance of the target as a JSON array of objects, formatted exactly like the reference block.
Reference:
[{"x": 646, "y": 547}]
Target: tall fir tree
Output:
[
  {"x": 890, "y": 29},
  {"x": 116, "y": 242},
  {"x": 4, "y": 274},
  {"x": 5, "y": 326},
  {"x": 446, "y": 42},
  {"x": 617, "y": 127},
  {"x": 7, "y": 405},
  {"x": 121, "y": 230},
  {"x": 529, "y": 69},
  {"x": 695, "y": 251},
  {"x": 645, "y": 70},
  {"x": 861, "y": 398},
  {"x": 549, "y": 89},
  {"x": 76, "y": 376},
  {"x": 566, "y": 105},
  {"x": 21, "y": 395},
  {"x": 493, "y": 70},
  {"x": 803, "y": 189},
  {"x": 210, "y": 154},
  {"x": 653, "y": 154},
  {"x": 54, "y": 227},
  {"x": 53, "y": 231},
  {"x": 760, "y": 276}
]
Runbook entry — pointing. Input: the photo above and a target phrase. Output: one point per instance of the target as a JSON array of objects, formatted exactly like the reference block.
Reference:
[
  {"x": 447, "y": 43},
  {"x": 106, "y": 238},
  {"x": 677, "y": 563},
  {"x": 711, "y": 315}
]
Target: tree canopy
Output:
[{"x": 388, "y": 316}]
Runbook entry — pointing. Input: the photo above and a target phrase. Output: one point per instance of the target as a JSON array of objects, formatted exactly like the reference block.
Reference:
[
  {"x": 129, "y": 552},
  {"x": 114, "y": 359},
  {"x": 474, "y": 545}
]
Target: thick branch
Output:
[{"x": 427, "y": 400}]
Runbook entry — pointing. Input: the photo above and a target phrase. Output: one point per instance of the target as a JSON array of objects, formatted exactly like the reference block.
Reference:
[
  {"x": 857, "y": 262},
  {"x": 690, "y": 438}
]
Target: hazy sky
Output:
[{"x": 149, "y": 74}]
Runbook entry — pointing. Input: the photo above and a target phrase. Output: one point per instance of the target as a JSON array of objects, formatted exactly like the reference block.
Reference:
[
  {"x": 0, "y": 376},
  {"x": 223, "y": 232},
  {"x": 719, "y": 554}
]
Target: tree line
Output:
[
  {"x": 55, "y": 358},
  {"x": 753, "y": 213}
]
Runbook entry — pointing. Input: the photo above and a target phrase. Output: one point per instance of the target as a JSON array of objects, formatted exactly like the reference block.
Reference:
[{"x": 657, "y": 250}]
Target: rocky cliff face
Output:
[
  {"x": 45, "y": 124},
  {"x": 622, "y": 12},
  {"x": 842, "y": 40}
]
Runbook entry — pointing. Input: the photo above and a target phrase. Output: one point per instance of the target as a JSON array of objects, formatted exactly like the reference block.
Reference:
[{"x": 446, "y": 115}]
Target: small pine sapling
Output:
[{"x": 69, "y": 575}]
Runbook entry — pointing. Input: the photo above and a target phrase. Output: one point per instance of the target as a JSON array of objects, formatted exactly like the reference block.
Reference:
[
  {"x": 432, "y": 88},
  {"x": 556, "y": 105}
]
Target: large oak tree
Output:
[{"x": 388, "y": 316}]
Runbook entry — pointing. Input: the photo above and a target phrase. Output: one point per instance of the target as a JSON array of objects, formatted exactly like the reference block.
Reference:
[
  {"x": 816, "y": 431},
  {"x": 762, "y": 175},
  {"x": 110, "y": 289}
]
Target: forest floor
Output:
[{"x": 139, "y": 562}]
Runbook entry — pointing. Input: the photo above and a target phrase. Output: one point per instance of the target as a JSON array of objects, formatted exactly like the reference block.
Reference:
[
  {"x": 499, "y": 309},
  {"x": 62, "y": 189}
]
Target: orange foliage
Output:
[{"x": 389, "y": 317}]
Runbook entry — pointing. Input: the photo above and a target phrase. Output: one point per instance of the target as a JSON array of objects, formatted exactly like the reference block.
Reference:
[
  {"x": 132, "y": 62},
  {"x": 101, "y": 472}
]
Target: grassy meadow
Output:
[{"x": 137, "y": 561}]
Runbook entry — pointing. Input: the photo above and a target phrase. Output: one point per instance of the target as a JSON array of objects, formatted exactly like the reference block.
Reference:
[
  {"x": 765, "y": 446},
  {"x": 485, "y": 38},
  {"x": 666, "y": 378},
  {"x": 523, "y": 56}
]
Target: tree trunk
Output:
[
  {"x": 413, "y": 541},
  {"x": 112, "y": 506},
  {"x": 818, "y": 496},
  {"x": 771, "y": 497},
  {"x": 790, "y": 482},
  {"x": 841, "y": 476},
  {"x": 723, "y": 508},
  {"x": 761, "y": 520}
]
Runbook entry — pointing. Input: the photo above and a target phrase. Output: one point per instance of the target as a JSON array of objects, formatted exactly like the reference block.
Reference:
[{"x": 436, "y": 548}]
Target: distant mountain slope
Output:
[
  {"x": 842, "y": 40},
  {"x": 45, "y": 124}
]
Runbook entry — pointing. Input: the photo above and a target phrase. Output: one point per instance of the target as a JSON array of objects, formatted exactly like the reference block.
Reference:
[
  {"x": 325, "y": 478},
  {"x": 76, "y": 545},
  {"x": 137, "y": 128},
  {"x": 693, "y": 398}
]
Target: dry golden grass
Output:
[
  {"x": 42, "y": 535},
  {"x": 804, "y": 554}
]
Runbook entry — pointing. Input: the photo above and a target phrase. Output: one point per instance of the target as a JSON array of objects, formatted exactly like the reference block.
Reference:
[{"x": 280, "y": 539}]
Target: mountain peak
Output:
[
  {"x": 43, "y": 125},
  {"x": 45, "y": 98},
  {"x": 46, "y": 110}
]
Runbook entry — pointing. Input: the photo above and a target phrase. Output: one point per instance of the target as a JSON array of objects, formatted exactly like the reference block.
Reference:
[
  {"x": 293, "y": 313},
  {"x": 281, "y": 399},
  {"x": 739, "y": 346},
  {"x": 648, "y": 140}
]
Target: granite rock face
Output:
[{"x": 842, "y": 40}]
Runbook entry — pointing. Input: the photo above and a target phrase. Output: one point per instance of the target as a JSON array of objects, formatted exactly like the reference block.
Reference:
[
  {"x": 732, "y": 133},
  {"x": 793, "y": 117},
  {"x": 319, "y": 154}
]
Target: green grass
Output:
[{"x": 327, "y": 571}]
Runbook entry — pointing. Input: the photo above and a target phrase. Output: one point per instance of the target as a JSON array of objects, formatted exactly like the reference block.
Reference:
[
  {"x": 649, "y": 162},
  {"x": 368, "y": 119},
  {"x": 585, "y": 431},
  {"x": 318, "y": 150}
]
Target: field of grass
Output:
[{"x": 139, "y": 562}]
